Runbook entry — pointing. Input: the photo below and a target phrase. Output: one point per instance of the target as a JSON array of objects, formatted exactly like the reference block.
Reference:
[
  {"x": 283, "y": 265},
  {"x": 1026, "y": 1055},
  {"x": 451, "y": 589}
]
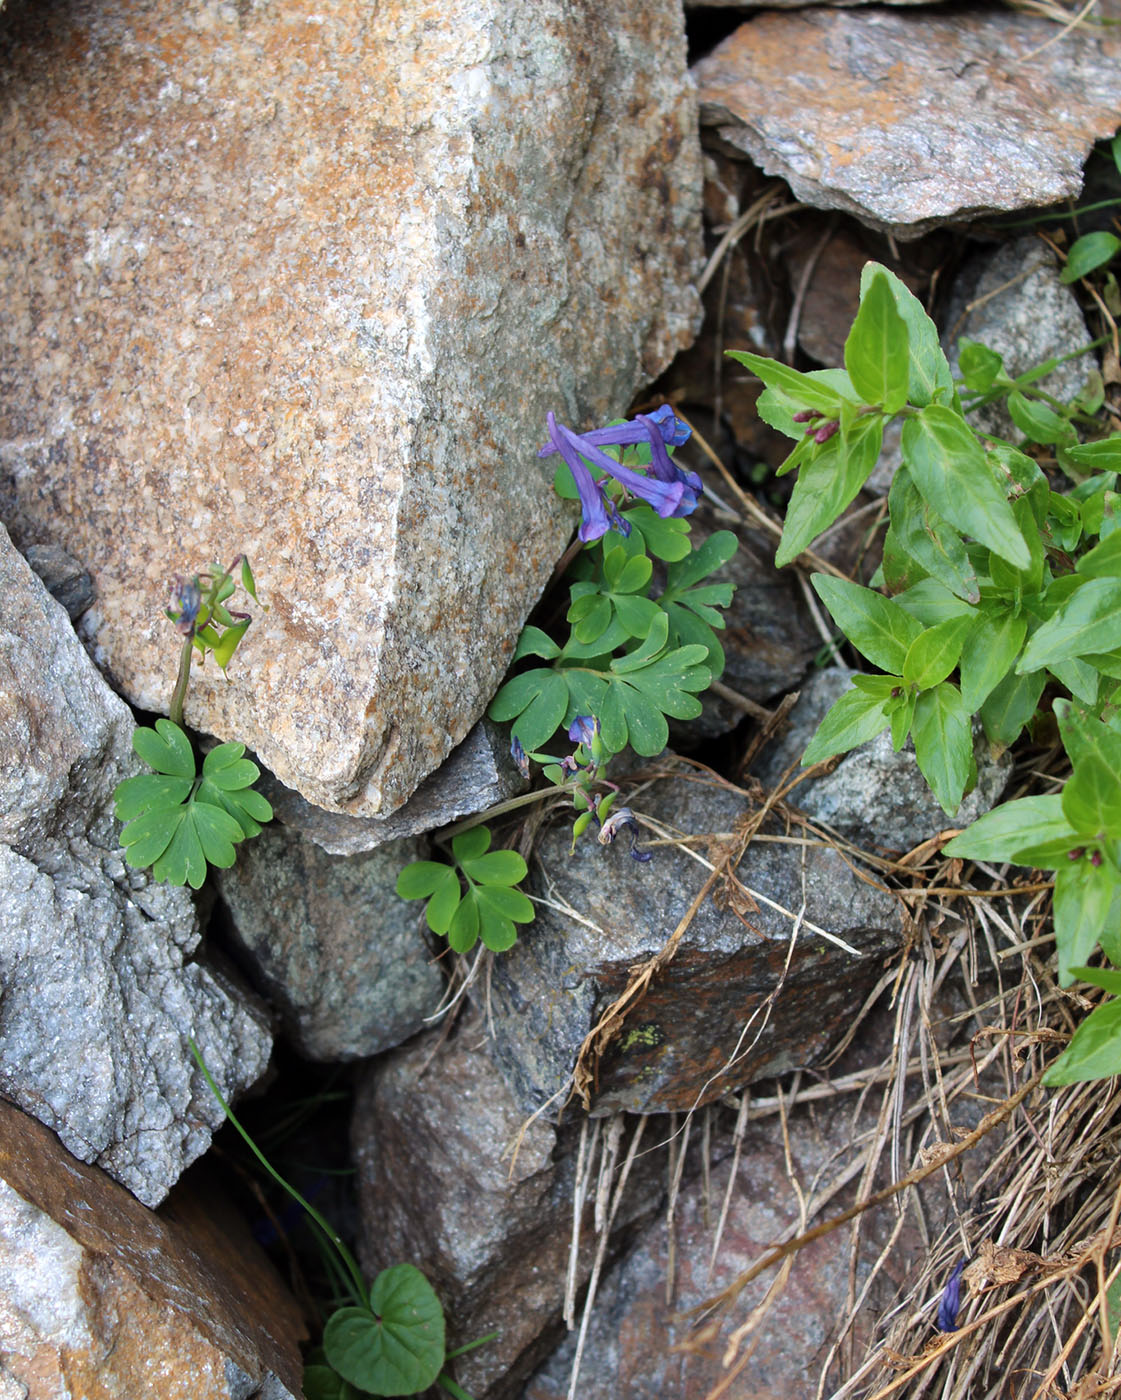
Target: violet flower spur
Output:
[{"x": 670, "y": 429}]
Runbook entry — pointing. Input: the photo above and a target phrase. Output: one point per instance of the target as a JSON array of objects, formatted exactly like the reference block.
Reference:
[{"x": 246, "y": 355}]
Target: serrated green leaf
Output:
[
  {"x": 496, "y": 868},
  {"x": 444, "y": 902},
  {"x": 951, "y": 471},
  {"x": 420, "y": 878},
  {"x": 463, "y": 931},
  {"x": 929, "y": 376},
  {"x": 935, "y": 651},
  {"x": 853, "y": 719},
  {"x": 398, "y": 1347},
  {"x": 1091, "y": 251},
  {"x": 470, "y": 844},
  {"x": 166, "y": 749},
  {"x": 149, "y": 792},
  {"x": 1088, "y": 621},
  {"x": 876, "y": 350},
  {"x": 943, "y": 744},
  {"x": 1094, "y": 1051},
  {"x": 876, "y": 626},
  {"x": 989, "y": 654}
]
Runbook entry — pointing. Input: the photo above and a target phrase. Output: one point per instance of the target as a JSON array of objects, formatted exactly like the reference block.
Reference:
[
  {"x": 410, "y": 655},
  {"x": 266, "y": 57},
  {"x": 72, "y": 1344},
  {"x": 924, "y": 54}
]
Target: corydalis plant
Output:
[{"x": 178, "y": 820}]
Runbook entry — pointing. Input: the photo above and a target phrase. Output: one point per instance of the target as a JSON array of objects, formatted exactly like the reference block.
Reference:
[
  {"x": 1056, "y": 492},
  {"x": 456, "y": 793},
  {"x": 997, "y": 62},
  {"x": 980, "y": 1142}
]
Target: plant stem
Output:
[{"x": 179, "y": 694}]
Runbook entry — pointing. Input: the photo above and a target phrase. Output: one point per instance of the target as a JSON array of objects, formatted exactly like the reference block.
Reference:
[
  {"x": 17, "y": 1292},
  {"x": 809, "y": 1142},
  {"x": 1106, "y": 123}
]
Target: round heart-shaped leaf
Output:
[{"x": 398, "y": 1347}]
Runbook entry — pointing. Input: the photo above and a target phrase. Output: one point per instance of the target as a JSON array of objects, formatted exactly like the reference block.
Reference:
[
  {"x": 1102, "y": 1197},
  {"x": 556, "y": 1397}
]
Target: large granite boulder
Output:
[
  {"x": 303, "y": 281},
  {"x": 736, "y": 1003},
  {"x": 908, "y": 119},
  {"x": 105, "y": 1300},
  {"x": 98, "y": 985}
]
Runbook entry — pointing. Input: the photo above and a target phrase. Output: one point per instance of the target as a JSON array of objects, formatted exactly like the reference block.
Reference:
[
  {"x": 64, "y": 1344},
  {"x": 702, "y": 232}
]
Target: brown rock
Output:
[
  {"x": 433, "y": 1135},
  {"x": 303, "y": 282},
  {"x": 910, "y": 119},
  {"x": 105, "y": 1300}
]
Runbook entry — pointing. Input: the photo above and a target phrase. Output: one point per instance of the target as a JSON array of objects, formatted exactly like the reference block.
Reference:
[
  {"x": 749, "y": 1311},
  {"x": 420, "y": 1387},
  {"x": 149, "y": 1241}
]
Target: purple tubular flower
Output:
[
  {"x": 595, "y": 523},
  {"x": 518, "y": 754},
  {"x": 663, "y": 468},
  {"x": 622, "y": 818},
  {"x": 664, "y": 496},
  {"x": 670, "y": 429},
  {"x": 947, "y": 1320},
  {"x": 186, "y": 600},
  {"x": 583, "y": 729}
]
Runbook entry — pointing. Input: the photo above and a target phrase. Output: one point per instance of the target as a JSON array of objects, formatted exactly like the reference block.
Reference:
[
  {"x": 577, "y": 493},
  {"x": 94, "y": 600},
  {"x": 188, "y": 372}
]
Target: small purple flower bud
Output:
[
  {"x": 826, "y": 431},
  {"x": 518, "y": 754},
  {"x": 807, "y": 415},
  {"x": 1077, "y": 853},
  {"x": 1095, "y": 859},
  {"x": 947, "y": 1319},
  {"x": 583, "y": 729},
  {"x": 186, "y": 599}
]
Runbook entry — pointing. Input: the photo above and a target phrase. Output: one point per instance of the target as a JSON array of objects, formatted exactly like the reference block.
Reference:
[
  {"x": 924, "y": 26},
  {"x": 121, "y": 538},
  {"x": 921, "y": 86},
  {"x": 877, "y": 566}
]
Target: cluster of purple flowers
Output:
[{"x": 668, "y": 488}]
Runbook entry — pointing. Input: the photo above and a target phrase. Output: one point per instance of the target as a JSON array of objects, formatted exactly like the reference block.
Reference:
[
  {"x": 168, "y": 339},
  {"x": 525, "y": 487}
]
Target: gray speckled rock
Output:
[
  {"x": 875, "y": 796},
  {"x": 333, "y": 947},
  {"x": 1024, "y": 313},
  {"x": 682, "y": 1046},
  {"x": 303, "y": 281},
  {"x": 98, "y": 992},
  {"x": 476, "y": 774},
  {"x": 909, "y": 119}
]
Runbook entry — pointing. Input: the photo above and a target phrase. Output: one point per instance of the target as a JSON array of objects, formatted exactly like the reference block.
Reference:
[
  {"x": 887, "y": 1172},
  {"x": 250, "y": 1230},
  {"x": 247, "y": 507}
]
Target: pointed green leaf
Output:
[
  {"x": 1010, "y": 706},
  {"x": 1037, "y": 422},
  {"x": 929, "y": 540},
  {"x": 929, "y": 376},
  {"x": 853, "y": 719},
  {"x": 1088, "y": 621},
  {"x": 1013, "y": 828},
  {"x": 1092, "y": 798},
  {"x": 876, "y": 625},
  {"x": 828, "y": 483},
  {"x": 1091, "y": 251},
  {"x": 801, "y": 388},
  {"x": 1103, "y": 455},
  {"x": 935, "y": 651},
  {"x": 1094, "y": 1051},
  {"x": 989, "y": 654},
  {"x": 978, "y": 364},
  {"x": 229, "y": 641},
  {"x": 943, "y": 744},
  {"x": 953, "y": 474},
  {"x": 1082, "y": 900},
  {"x": 876, "y": 351}
]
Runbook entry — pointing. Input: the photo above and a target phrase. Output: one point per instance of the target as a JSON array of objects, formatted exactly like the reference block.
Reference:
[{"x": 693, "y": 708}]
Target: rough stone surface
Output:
[
  {"x": 304, "y": 281},
  {"x": 703, "y": 1025},
  {"x": 99, "y": 995},
  {"x": 331, "y": 944},
  {"x": 476, "y": 774},
  {"x": 432, "y": 1132},
  {"x": 63, "y": 577},
  {"x": 910, "y": 119},
  {"x": 875, "y": 796},
  {"x": 1021, "y": 310},
  {"x": 769, "y": 639},
  {"x": 105, "y": 1300}
]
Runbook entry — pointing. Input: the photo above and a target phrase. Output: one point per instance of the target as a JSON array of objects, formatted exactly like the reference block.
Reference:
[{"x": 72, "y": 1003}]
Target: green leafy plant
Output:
[
  {"x": 474, "y": 897},
  {"x": 179, "y": 821},
  {"x": 389, "y": 1339},
  {"x": 1000, "y": 587}
]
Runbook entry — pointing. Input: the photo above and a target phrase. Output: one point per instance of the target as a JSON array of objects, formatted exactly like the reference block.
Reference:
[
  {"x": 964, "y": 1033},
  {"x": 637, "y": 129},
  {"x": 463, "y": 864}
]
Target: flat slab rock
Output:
[
  {"x": 106, "y": 1300},
  {"x": 303, "y": 281},
  {"x": 704, "y": 1025},
  {"x": 911, "y": 119},
  {"x": 99, "y": 982}
]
